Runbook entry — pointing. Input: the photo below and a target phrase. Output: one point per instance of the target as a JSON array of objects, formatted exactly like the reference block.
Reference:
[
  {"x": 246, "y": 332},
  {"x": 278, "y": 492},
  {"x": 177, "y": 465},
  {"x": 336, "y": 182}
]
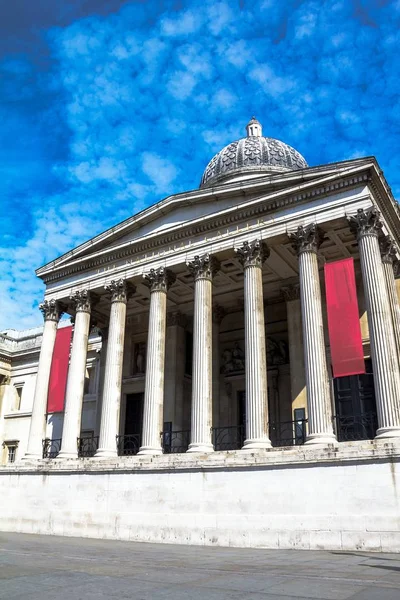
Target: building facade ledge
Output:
[{"x": 345, "y": 452}]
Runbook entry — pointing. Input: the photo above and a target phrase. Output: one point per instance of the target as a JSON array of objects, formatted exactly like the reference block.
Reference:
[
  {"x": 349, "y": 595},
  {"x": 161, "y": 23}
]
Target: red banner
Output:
[
  {"x": 59, "y": 370},
  {"x": 343, "y": 319}
]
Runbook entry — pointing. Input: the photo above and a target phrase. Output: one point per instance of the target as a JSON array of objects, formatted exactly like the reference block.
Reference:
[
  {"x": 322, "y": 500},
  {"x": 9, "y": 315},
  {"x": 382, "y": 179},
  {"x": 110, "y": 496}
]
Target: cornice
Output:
[
  {"x": 256, "y": 207},
  {"x": 389, "y": 210}
]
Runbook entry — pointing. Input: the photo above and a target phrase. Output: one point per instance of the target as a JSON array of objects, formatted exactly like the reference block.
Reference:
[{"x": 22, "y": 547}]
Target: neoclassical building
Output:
[{"x": 200, "y": 348}]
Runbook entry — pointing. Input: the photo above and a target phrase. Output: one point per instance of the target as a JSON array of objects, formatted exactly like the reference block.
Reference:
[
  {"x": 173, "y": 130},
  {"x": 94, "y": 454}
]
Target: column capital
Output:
[
  {"x": 366, "y": 222},
  {"x": 291, "y": 292},
  {"x": 82, "y": 300},
  {"x": 307, "y": 239},
  {"x": 218, "y": 313},
  {"x": 51, "y": 310},
  {"x": 120, "y": 290},
  {"x": 176, "y": 318},
  {"x": 203, "y": 267},
  {"x": 159, "y": 280},
  {"x": 388, "y": 250},
  {"x": 252, "y": 254}
]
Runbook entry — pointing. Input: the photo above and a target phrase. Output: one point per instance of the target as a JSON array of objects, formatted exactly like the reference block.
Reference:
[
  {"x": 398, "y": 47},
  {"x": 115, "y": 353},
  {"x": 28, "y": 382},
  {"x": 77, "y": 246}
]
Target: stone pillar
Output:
[
  {"x": 291, "y": 294},
  {"x": 252, "y": 256},
  {"x": 174, "y": 369},
  {"x": 390, "y": 265},
  {"x": 367, "y": 226},
  {"x": 120, "y": 291},
  {"x": 51, "y": 313},
  {"x": 217, "y": 316},
  {"x": 159, "y": 280},
  {"x": 76, "y": 376},
  {"x": 203, "y": 269},
  {"x": 306, "y": 242}
]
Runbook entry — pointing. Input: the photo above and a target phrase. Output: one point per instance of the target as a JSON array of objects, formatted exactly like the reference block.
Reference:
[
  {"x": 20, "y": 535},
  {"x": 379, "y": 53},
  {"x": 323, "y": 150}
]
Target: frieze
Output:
[{"x": 213, "y": 223}]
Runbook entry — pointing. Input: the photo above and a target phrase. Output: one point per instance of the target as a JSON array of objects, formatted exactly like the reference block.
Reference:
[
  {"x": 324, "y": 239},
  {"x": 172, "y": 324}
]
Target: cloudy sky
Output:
[{"x": 107, "y": 106}]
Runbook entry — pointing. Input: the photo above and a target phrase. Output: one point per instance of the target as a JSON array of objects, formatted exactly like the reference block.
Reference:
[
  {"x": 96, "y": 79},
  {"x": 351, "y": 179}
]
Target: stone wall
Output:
[{"x": 344, "y": 499}]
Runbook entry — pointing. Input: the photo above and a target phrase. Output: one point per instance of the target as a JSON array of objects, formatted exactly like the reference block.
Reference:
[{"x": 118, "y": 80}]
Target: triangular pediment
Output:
[{"x": 179, "y": 210}]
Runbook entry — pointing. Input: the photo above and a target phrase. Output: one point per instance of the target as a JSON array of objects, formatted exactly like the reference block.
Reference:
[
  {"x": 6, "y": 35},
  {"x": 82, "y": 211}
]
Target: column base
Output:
[
  {"x": 105, "y": 453},
  {"x": 384, "y": 433},
  {"x": 67, "y": 455},
  {"x": 200, "y": 448},
  {"x": 149, "y": 451},
  {"x": 32, "y": 457},
  {"x": 321, "y": 439},
  {"x": 257, "y": 444}
]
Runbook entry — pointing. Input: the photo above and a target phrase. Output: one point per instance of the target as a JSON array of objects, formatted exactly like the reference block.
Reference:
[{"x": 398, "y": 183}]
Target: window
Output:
[
  {"x": 11, "y": 448},
  {"x": 18, "y": 387}
]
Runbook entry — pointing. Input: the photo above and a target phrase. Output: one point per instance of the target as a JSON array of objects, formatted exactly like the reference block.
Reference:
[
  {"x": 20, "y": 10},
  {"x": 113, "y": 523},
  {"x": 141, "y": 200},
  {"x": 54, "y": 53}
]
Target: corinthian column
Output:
[
  {"x": 76, "y": 376},
  {"x": 306, "y": 242},
  {"x": 51, "y": 313},
  {"x": 203, "y": 269},
  {"x": 367, "y": 227},
  {"x": 159, "y": 280},
  {"x": 252, "y": 256},
  {"x": 120, "y": 291},
  {"x": 390, "y": 263}
]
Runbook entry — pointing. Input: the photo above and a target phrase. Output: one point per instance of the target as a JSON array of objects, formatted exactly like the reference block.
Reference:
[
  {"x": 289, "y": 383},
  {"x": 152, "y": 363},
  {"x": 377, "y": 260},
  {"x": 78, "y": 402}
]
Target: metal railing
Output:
[
  {"x": 356, "y": 427},
  {"x": 175, "y": 442},
  {"x": 128, "y": 445},
  {"x": 288, "y": 433},
  {"x": 87, "y": 446},
  {"x": 228, "y": 438},
  {"x": 51, "y": 448}
]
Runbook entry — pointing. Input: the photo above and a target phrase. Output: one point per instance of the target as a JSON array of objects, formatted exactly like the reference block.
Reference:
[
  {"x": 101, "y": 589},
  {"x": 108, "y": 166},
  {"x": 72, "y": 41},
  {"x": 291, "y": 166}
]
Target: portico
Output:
[
  {"x": 242, "y": 284},
  {"x": 201, "y": 343}
]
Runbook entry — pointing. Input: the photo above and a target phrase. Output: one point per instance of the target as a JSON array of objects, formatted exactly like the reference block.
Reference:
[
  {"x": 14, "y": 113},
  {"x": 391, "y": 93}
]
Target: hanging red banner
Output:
[
  {"x": 59, "y": 370},
  {"x": 343, "y": 319}
]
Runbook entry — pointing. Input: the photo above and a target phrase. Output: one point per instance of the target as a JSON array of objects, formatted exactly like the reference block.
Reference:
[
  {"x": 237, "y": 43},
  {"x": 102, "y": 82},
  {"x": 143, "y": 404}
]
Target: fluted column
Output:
[
  {"x": 203, "y": 269},
  {"x": 120, "y": 291},
  {"x": 367, "y": 226},
  {"x": 51, "y": 313},
  {"x": 390, "y": 264},
  {"x": 76, "y": 376},
  {"x": 252, "y": 256},
  {"x": 291, "y": 294},
  {"x": 159, "y": 280},
  {"x": 218, "y": 314},
  {"x": 306, "y": 242}
]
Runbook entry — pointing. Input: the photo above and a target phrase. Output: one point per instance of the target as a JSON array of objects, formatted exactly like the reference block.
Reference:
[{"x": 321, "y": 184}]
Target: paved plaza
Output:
[{"x": 48, "y": 568}]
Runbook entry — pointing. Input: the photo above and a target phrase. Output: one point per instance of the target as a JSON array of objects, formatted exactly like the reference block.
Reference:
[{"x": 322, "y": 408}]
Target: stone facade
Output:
[{"x": 200, "y": 328}]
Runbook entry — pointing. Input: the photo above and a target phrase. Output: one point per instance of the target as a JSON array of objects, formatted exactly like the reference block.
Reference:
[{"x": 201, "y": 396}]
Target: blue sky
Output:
[{"x": 107, "y": 106}]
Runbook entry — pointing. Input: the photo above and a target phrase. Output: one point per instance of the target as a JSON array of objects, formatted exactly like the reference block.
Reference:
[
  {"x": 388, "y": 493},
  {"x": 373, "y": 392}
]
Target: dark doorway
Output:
[
  {"x": 132, "y": 438},
  {"x": 356, "y": 417}
]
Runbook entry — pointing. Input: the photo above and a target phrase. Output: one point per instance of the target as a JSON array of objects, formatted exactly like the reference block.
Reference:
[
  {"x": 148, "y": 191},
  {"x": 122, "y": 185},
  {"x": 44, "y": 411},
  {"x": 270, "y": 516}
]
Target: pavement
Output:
[{"x": 60, "y": 568}]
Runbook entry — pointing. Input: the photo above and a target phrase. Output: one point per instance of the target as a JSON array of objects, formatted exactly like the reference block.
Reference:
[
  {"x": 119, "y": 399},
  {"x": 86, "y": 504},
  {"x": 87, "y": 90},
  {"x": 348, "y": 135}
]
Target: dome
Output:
[{"x": 251, "y": 156}]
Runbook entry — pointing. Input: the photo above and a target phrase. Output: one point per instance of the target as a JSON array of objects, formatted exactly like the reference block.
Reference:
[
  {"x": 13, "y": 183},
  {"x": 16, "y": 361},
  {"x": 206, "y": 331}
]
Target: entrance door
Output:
[
  {"x": 356, "y": 406},
  {"x": 133, "y": 423}
]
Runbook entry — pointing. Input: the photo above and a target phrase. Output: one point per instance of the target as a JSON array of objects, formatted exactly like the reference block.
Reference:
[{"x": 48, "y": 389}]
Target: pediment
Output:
[{"x": 178, "y": 211}]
